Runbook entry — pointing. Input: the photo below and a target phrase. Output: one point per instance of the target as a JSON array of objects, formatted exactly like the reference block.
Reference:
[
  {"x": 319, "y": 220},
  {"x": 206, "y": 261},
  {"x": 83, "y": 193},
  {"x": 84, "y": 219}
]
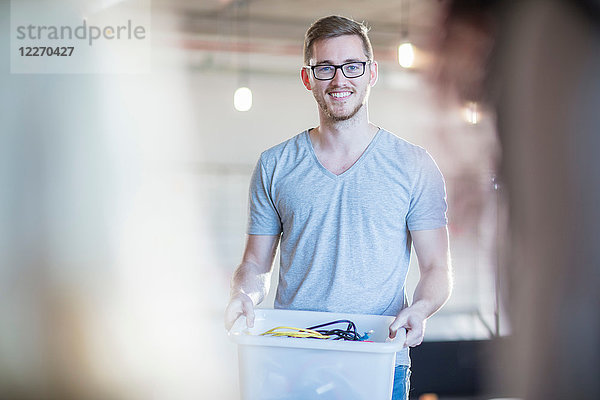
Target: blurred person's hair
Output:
[{"x": 335, "y": 26}]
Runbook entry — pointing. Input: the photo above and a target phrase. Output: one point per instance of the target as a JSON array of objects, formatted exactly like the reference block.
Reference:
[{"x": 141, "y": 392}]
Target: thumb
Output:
[
  {"x": 248, "y": 308},
  {"x": 232, "y": 312},
  {"x": 399, "y": 322}
]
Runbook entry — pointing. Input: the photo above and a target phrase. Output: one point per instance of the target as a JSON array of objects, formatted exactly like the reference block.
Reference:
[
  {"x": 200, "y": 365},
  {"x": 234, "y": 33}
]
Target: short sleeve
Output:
[
  {"x": 428, "y": 206},
  {"x": 263, "y": 218}
]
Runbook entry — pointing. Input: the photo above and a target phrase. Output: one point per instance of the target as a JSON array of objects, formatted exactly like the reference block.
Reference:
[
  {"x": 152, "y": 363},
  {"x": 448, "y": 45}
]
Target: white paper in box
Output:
[{"x": 301, "y": 368}]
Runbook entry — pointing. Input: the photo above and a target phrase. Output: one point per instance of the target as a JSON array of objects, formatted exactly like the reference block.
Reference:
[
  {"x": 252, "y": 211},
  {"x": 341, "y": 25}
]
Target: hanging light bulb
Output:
[
  {"x": 242, "y": 99},
  {"x": 471, "y": 113},
  {"x": 406, "y": 52},
  {"x": 406, "y": 55}
]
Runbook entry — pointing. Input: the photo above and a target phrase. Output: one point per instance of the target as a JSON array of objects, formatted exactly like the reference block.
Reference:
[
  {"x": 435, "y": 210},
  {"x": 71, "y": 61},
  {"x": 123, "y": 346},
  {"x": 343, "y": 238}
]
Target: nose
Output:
[{"x": 338, "y": 77}]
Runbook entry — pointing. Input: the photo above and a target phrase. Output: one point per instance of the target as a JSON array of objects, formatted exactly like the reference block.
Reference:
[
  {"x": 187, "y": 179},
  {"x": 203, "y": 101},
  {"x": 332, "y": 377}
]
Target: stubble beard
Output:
[{"x": 339, "y": 117}]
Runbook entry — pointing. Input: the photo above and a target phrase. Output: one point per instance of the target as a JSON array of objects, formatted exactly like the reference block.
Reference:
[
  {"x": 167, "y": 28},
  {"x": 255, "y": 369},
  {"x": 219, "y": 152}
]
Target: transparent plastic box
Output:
[{"x": 302, "y": 368}]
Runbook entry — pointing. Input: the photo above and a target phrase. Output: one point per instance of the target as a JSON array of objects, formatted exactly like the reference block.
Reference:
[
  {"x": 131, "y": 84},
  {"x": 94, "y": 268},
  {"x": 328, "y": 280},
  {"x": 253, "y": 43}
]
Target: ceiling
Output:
[{"x": 277, "y": 27}]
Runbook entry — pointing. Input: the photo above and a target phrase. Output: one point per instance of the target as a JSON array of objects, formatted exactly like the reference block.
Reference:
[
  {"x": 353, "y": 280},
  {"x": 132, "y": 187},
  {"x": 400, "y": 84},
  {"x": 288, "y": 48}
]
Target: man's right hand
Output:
[
  {"x": 250, "y": 282},
  {"x": 240, "y": 304}
]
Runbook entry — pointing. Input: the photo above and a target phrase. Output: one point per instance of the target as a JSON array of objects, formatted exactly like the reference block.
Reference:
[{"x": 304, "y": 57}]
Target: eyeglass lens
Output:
[{"x": 350, "y": 70}]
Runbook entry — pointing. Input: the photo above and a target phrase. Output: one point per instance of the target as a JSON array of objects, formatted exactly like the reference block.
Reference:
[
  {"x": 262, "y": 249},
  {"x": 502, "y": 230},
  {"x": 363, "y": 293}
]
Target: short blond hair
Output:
[{"x": 334, "y": 26}]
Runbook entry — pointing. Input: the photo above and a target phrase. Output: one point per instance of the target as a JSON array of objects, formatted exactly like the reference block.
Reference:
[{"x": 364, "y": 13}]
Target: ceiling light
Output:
[
  {"x": 406, "y": 55},
  {"x": 242, "y": 99},
  {"x": 471, "y": 113}
]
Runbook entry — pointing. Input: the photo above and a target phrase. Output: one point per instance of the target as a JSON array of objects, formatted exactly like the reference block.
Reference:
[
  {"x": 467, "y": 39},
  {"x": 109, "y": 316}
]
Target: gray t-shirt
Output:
[{"x": 345, "y": 241}]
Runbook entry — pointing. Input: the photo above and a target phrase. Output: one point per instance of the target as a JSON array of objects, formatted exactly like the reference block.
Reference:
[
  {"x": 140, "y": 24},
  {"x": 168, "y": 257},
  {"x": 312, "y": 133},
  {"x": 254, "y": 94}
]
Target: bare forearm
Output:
[
  {"x": 432, "y": 291},
  {"x": 434, "y": 287},
  {"x": 252, "y": 281},
  {"x": 253, "y": 276}
]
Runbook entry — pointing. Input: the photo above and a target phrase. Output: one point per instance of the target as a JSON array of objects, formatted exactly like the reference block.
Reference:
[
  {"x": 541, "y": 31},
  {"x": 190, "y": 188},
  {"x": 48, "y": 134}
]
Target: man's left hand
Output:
[{"x": 414, "y": 323}]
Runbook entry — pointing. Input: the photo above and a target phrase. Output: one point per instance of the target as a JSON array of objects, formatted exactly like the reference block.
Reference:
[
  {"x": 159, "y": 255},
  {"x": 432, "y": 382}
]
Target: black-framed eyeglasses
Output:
[{"x": 325, "y": 72}]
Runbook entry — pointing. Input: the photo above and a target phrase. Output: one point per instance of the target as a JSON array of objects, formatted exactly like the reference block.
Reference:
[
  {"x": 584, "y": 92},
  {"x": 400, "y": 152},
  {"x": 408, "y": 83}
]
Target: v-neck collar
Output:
[{"x": 354, "y": 166}]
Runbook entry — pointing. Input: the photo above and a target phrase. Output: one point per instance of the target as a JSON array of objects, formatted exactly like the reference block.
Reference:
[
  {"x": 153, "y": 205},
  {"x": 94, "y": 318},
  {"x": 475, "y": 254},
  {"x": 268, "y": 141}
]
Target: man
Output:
[{"x": 346, "y": 199}]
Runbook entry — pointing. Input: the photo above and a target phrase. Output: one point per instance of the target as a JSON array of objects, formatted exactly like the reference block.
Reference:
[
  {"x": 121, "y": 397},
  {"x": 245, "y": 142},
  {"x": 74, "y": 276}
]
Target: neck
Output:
[{"x": 347, "y": 136}]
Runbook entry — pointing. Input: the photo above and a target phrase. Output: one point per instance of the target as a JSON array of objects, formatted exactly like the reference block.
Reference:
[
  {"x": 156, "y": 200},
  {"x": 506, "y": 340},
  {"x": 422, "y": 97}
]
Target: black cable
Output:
[{"x": 349, "y": 333}]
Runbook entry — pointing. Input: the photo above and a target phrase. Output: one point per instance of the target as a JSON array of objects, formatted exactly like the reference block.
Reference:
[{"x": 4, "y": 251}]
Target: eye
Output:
[
  {"x": 352, "y": 67},
  {"x": 324, "y": 68}
]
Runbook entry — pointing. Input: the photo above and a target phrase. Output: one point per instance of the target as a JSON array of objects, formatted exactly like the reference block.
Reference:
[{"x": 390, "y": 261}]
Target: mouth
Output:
[{"x": 340, "y": 94}]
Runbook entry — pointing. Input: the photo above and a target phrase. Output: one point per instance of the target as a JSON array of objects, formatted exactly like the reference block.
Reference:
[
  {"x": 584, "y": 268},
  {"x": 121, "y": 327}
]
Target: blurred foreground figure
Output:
[
  {"x": 106, "y": 277},
  {"x": 546, "y": 91},
  {"x": 549, "y": 125}
]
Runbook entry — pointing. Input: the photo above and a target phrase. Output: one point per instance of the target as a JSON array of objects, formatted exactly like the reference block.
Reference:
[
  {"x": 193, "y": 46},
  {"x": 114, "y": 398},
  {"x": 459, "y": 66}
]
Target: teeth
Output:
[{"x": 340, "y": 94}]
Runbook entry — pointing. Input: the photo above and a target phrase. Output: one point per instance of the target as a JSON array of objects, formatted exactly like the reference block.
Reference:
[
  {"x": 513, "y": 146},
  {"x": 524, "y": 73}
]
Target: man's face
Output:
[{"x": 340, "y": 98}]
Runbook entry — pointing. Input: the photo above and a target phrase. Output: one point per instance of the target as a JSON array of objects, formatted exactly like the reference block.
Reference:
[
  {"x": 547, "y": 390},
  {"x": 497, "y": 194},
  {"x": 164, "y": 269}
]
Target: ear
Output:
[
  {"x": 374, "y": 73},
  {"x": 305, "y": 78}
]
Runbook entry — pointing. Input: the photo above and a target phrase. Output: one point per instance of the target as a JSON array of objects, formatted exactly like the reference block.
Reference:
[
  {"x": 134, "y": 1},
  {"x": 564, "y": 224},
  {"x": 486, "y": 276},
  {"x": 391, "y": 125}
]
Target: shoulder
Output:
[
  {"x": 285, "y": 151},
  {"x": 402, "y": 149}
]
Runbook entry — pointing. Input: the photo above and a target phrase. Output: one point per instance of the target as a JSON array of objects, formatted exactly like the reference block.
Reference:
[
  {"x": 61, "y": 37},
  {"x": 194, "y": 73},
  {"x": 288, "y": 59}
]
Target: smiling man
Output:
[{"x": 345, "y": 200}]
